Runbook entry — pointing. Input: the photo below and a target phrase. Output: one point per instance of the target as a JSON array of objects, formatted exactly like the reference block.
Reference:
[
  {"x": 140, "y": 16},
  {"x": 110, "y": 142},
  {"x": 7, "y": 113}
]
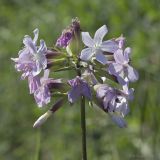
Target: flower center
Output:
[
  {"x": 36, "y": 57},
  {"x": 96, "y": 46}
]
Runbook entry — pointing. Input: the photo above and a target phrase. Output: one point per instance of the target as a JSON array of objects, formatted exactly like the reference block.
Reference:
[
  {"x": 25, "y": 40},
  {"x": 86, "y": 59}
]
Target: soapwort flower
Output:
[
  {"x": 96, "y": 47},
  {"x": 79, "y": 87},
  {"x": 42, "y": 94},
  {"x": 114, "y": 102},
  {"x": 31, "y": 58},
  {"x": 121, "y": 67}
]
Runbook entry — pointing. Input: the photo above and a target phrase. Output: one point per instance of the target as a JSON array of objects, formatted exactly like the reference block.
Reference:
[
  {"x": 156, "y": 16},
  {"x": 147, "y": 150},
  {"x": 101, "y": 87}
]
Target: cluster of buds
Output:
[{"x": 103, "y": 71}]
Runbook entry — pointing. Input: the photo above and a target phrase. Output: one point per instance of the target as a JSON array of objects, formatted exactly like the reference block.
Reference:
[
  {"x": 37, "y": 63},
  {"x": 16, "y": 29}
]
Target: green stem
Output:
[
  {"x": 38, "y": 144},
  {"x": 83, "y": 120},
  {"x": 83, "y": 127}
]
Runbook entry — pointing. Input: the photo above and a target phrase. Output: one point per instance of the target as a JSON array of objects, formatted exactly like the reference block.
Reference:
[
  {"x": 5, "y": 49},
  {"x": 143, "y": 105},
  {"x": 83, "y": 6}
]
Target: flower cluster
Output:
[
  {"x": 95, "y": 65},
  {"x": 31, "y": 62}
]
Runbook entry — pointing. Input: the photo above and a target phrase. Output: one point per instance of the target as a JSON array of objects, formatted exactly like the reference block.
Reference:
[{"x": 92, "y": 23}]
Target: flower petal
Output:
[
  {"x": 34, "y": 83},
  {"x": 109, "y": 46},
  {"x": 127, "y": 53},
  {"x": 25, "y": 56},
  {"x": 37, "y": 69},
  {"x": 119, "y": 57},
  {"x": 43, "y": 48},
  {"x": 86, "y": 54},
  {"x": 132, "y": 74},
  {"x": 121, "y": 79},
  {"x": 100, "y": 33},
  {"x": 121, "y": 41},
  {"x": 46, "y": 73},
  {"x": 42, "y": 96},
  {"x": 115, "y": 68},
  {"x": 101, "y": 90},
  {"x": 108, "y": 97},
  {"x": 121, "y": 107},
  {"x": 87, "y": 40},
  {"x": 119, "y": 121},
  {"x": 36, "y": 33},
  {"x": 86, "y": 90},
  {"x": 15, "y": 59},
  {"x": 41, "y": 58},
  {"x": 29, "y": 44},
  {"x": 74, "y": 94},
  {"x": 101, "y": 58}
]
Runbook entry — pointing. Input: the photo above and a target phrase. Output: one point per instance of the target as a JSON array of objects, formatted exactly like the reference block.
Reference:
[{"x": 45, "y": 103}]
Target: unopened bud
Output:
[
  {"x": 42, "y": 119},
  {"x": 52, "y": 54}
]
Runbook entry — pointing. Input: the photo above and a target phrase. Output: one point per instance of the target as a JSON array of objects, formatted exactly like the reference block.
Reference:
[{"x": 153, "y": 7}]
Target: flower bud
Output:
[
  {"x": 57, "y": 63},
  {"x": 57, "y": 105},
  {"x": 45, "y": 116},
  {"x": 70, "y": 37},
  {"x": 52, "y": 54},
  {"x": 75, "y": 45},
  {"x": 42, "y": 119}
]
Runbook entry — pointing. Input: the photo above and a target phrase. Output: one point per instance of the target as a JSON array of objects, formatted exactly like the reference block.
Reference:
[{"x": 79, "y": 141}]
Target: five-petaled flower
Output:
[
  {"x": 96, "y": 47},
  {"x": 121, "y": 68},
  {"x": 31, "y": 58},
  {"x": 79, "y": 88},
  {"x": 115, "y": 102}
]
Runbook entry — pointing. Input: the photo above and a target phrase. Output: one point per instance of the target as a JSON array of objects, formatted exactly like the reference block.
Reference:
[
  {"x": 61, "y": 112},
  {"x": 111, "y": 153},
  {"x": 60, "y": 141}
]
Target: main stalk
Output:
[
  {"x": 83, "y": 127},
  {"x": 83, "y": 120}
]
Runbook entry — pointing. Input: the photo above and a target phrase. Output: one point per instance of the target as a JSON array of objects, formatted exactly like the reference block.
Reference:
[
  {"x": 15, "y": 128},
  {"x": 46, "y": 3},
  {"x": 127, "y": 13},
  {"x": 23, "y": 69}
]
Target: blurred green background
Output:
[{"x": 60, "y": 137}]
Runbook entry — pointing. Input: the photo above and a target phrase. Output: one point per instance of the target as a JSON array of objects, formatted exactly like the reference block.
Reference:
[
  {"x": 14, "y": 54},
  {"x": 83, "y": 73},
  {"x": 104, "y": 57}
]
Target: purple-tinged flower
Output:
[
  {"x": 64, "y": 39},
  {"x": 115, "y": 102},
  {"x": 121, "y": 41},
  {"x": 42, "y": 95},
  {"x": 34, "y": 83},
  {"x": 68, "y": 34},
  {"x": 32, "y": 58},
  {"x": 121, "y": 68},
  {"x": 96, "y": 46},
  {"x": 79, "y": 88}
]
